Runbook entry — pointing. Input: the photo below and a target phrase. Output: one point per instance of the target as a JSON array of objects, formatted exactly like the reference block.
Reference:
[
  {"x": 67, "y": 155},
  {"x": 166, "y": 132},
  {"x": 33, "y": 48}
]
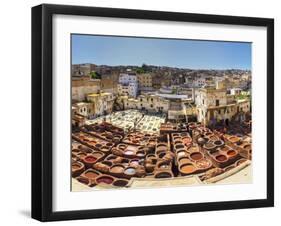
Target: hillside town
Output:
[{"x": 132, "y": 125}]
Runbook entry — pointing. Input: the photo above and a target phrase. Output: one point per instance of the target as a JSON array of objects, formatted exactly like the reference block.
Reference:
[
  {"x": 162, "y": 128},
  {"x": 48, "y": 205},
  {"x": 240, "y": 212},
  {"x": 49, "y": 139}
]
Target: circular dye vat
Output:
[
  {"x": 209, "y": 146},
  {"x": 112, "y": 157},
  {"x": 201, "y": 141},
  {"x": 90, "y": 159},
  {"x": 221, "y": 158},
  {"x": 179, "y": 146},
  {"x": 161, "y": 154},
  {"x": 109, "y": 144},
  {"x": 105, "y": 179},
  {"x": 104, "y": 149},
  {"x": 91, "y": 174},
  {"x": 225, "y": 149},
  {"x": 122, "y": 146},
  {"x": 163, "y": 166},
  {"x": 130, "y": 171},
  {"x": 218, "y": 142},
  {"x": 117, "y": 169},
  {"x": 196, "y": 156},
  {"x": 98, "y": 145},
  {"x": 83, "y": 180},
  {"x": 231, "y": 153},
  {"x": 108, "y": 163},
  {"x": 187, "y": 140},
  {"x": 203, "y": 164},
  {"x": 140, "y": 154},
  {"x": 184, "y": 161},
  {"x": 129, "y": 152},
  {"x": 75, "y": 151},
  {"x": 187, "y": 168},
  {"x": 120, "y": 183},
  {"x": 181, "y": 153},
  {"x": 76, "y": 166},
  {"x": 81, "y": 155},
  {"x": 134, "y": 162},
  {"x": 163, "y": 175},
  {"x": 85, "y": 149},
  {"x": 178, "y": 142}
]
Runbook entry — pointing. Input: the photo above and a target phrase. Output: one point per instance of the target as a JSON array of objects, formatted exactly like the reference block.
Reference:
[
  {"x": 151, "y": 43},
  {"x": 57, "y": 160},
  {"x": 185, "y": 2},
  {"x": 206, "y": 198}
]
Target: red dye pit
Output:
[{"x": 106, "y": 180}]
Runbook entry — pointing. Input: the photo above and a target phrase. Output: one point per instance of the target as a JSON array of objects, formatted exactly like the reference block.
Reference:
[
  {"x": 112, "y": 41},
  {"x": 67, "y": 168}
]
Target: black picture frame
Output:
[{"x": 42, "y": 196}]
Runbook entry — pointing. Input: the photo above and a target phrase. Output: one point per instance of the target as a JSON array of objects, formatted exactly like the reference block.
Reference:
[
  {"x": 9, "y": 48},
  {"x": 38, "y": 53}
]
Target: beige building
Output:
[
  {"x": 102, "y": 103},
  {"x": 82, "y": 86},
  {"x": 213, "y": 103},
  {"x": 83, "y": 109},
  {"x": 109, "y": 83},
  {"x": 175, "y": 106},
  {"x": 148, "y": 102},
  {"x": 144, "y": 81}
]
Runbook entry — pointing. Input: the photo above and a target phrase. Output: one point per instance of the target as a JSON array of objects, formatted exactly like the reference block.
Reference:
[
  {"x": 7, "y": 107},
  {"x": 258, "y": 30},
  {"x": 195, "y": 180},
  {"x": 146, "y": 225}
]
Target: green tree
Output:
[{"x": 95, "y": 75}]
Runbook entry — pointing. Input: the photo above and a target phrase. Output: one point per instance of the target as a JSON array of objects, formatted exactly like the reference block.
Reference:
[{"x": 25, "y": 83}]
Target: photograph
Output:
[{"x": 149, "y": 112}]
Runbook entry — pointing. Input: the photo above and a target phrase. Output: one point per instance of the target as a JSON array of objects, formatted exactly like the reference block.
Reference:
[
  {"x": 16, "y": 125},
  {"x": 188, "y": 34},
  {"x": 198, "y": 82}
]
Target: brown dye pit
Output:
[
  {"x": 163, "y": 175},
  {"x": 221, "y": 158},
  {"x": 111, "y": 157},
  {"x": 91, "y": 174},
  {"x": 120, "y": 183},
  {"x": 231, "y": 153},
  {"x": 82, "y": 155},
  {"x": 75, "y": 166},
  {"x": 122, "y": 146},
  {"x": 187, "y": 168},
  {"x": 117, "y": 169},
  {"x": 196, "y": 156}
]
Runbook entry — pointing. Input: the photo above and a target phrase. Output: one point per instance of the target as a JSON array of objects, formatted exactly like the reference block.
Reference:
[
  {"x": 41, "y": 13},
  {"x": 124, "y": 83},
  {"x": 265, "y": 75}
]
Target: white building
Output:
[
  {"x": 199, "y": 82},
  {"x": 128, "y": 84}
]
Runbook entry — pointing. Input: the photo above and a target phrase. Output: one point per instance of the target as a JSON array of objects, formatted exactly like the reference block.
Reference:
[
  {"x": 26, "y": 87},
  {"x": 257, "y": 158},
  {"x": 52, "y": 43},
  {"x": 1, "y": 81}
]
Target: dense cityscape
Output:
[{"x": 145, "y": 126}]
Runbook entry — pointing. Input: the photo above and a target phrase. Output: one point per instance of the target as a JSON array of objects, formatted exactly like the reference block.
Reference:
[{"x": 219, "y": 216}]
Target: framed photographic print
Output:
[{"x": 145, "y": 112}]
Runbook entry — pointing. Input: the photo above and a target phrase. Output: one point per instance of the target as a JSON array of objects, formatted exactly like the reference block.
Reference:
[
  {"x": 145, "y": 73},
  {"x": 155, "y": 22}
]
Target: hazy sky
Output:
[{"x": 110, "y": 50}]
